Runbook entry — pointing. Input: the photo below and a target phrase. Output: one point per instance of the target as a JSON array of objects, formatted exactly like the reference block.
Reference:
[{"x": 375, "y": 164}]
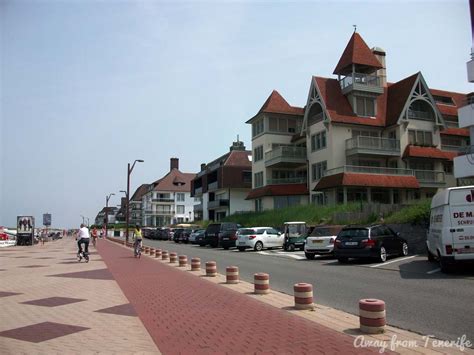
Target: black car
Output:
[
  {"x": 222, "y": 234},
  {"x": 177, "y": 235},
  {"x": 375, "y": 241}
]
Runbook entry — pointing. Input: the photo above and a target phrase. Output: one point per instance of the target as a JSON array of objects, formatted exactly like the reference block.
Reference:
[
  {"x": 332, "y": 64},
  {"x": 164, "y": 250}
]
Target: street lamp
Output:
[
  {"x": 107, "y": 198},
  {"x": 82, "y": 219},
  {"x": 129, "y": 171}
]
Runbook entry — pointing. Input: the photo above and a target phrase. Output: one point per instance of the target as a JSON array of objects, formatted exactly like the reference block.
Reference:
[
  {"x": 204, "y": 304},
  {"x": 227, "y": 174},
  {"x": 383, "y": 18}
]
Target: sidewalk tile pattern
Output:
[
  {"x": 53, "y": 301},
  {"x": 40, "y": 332},
  {"x": 122, "y": 310}
]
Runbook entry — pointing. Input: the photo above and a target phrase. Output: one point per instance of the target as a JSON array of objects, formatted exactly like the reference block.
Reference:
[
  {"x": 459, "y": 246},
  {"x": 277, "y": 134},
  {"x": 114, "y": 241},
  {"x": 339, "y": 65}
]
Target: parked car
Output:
[
  {"x": 195, "y": 234},
  {"x": 375, "y": 241},
  {"x": 295, "y": 235},
  {"x": 216, "y": 232},
  {"x": 177, "y": 234},
  {"x": 147, "y": 232},
  {"x": 258, "y": 238},
  {"x": 321, "y": 241},
  {"x": 200, "y": 239},
  {"x": 163, "y": 234},
  {"x": 184, "y": 235}
]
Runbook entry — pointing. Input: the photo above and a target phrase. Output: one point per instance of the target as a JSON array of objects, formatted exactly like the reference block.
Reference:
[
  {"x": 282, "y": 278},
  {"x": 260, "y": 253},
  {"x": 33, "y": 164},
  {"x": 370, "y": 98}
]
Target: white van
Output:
[{"x": 451, "y": 234}]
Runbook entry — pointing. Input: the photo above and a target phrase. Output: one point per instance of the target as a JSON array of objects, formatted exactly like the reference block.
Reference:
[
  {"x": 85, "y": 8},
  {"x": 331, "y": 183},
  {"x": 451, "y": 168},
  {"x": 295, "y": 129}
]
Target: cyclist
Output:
[
  {"x": 94, "y": 236},
  {"x": 83, "y": 238},
  {"x": 137, "y": 241}
]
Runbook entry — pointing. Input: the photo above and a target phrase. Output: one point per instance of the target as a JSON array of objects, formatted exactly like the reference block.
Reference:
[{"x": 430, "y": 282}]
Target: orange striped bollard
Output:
[
  {"x": 173, "y": 257},
  {"x": 147, "y": 250},
  {"x": 211, "y": 268},
  {"x": 195, "y": 264},
  {"x": 158, "y": 253},
  {"x": 232, "y": 274},
  {"x": 372, "y": 316},
  {"x": 183, "y": 261},
  {"x": 261, "y": 282},
  {"x": 164, "y": 255},
  {"x": 152, "y": 251},
  {"x": 303, "y": 296}
]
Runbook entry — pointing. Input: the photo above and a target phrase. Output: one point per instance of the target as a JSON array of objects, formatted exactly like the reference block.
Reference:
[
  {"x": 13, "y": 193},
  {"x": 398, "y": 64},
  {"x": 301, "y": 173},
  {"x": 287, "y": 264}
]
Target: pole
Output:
[
  {"x": 127, "y": 219},
  {"x": 106, "y": 216}
]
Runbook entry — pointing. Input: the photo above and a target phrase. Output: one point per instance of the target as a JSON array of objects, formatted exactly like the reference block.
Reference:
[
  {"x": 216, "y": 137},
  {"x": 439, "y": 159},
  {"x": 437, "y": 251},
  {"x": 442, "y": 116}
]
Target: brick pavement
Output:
[
  {"x": 187, "y": 314},
  {"x": 52, "y": 304}
]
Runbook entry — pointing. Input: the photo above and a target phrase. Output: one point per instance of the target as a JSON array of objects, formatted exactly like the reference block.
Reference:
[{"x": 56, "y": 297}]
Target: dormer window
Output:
[
  {"x": 421, "y": 110},
  {"x": 365, "y": 106}
]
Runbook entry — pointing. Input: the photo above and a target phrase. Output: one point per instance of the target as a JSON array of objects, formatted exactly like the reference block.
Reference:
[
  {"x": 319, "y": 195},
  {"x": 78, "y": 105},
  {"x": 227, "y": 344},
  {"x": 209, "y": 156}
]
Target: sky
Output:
[{"x": 89, "y": 86}]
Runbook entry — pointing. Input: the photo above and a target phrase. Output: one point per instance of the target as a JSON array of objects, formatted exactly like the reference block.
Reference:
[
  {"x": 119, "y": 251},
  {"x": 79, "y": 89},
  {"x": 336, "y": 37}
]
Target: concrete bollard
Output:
[
  {"x": 164, "y": 255},
  {"x": 303, "y": 296},
  {"x": 173, "y": 257},
  {"x": 152, "y": 251},
  {"x": 261, "y": 282},
  {"x": 147, "y": 249},
  {"x": 232, "y": 274},
  {"x": 158, "y": 253},
  {"x": 183, "y": 261},
  {"x": 211, "y": 268},
  {"x": 195, "y": 264},
  {"x": 372, "y": 316}
]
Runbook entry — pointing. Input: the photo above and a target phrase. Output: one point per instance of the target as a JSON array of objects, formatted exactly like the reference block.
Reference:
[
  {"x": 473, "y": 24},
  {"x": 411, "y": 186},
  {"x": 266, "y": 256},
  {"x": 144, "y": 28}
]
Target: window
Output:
[
  {"x": 247, "y": 176},
  {"x": 180, "y": 197},
  {"x": 318, "y": 141},
  {"x": 257, "y": 127},
  {"x": 285, "y": 201},
  {"x": 258, "y": 153},
  {"x": 258, "y": 205},
  {"x": 258, "y": 177},
  {"x": 318, "y": 170},
  {"x": 445, "y": 100},
  {"x": 423, "y": 138},
  {"x": 357, "y": 133},
  {"x": 283, "y": 125},
  {"x": 365, "y": 106},
  {"x": 180, "y": 209},
  {"x": 448, "y": 167},
  {"x": 319, "y": 198}
]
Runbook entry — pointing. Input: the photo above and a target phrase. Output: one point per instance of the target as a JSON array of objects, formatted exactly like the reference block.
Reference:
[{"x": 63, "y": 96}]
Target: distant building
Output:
[
  {"x": 111, "y": 212},
  {"x": 168, "y": 200},
  {"x": 136, "y": 212},
  {"x": 221, "y": 187},
  {"x": 359, "y": 138}
]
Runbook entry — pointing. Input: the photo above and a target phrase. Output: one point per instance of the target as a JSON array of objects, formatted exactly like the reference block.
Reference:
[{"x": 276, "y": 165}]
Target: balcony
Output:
[
  {"x": 299, "y": 180},
  {"x": 430, "y": 178},
  {"x": 213, "y": 186},
  {"x": 420, "y": 115},
  {"x": 286, "y": 155},
  {"x": 453, "y": 148},
  {"x": 163, "y": 200},
  {"x": 198, "y": 191},
  {"x": 197, "y": 208},
  {"x": 369, "y": 170},
  {"x": 218, "y": 203},
  {"x": 159, "y": 212},
  {"x": 361, "y": 82},
  {"x": 373, "y": 146}
]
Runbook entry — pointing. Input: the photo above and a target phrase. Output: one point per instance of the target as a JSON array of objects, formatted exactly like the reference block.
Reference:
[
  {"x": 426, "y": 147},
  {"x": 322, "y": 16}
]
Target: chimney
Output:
[
  {"x": 381, "y": 73},
  {"x": 174, "y": 163},
  {"x": 203, "y": 166}
]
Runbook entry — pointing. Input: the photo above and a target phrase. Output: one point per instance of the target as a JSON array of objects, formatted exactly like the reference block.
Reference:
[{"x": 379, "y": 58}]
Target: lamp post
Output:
[
  {"x": 129, "y": 171},
  {"x": 107, "y": 198},
  {"x": 83, "y": 219}
]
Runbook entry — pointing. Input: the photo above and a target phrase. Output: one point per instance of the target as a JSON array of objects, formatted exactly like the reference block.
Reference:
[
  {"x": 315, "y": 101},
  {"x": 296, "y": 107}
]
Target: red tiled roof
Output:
[
  {"x": 278, "y": 190},
  {"x": 175, "y": 181},
  {"x": 239, "y": 158},
  {"x": 277, "y": 104},
  {"x": 459, "y": 99},
  {"x": 369, "y": 180},
  {"x": 463, "y": 132},
  {"x": 339, "y": 108},
  {"x": 397, "y": 97},
  {"x": 413, "y": 151},
  {"x": 137, "y": 195},
  {"x": 356, "y": 52}
]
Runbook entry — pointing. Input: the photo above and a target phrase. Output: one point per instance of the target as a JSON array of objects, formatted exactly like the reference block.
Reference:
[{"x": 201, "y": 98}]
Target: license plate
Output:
[
  {"x": 225, "y": 238},
  {"x": 317, "y": 241},
  {"x": 352, "y": 243},
  {"x": 465, "y": 251},
  {"x": 242, "y": 243}
]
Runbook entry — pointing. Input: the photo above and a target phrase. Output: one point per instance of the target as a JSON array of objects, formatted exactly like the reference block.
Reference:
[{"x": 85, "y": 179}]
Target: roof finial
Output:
[
  {"x": 238, "y": 138},
  {"x": 355, "y": 28}
]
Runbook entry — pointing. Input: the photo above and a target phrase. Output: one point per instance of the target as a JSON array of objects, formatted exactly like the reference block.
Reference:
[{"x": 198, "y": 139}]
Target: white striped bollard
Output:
[
  {"x": 261, "y": 282},
  {"x": 195, "y": 264},
  {"x": 173, "y": 257},
  {"x": 303, "y": 296},
  {"x": 164, "y": 255},
  {"x": 372, "y": 316},
  {"x": 183, "y": 261},
  {"x": 211, "y": 268},
  {"x": 232, "y": 274}
]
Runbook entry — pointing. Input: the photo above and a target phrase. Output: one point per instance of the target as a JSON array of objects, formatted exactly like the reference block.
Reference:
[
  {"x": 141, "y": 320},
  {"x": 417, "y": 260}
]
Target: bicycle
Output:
[
  {"x": 82, "y": 253},
  {"x": 137, "y": 250}
]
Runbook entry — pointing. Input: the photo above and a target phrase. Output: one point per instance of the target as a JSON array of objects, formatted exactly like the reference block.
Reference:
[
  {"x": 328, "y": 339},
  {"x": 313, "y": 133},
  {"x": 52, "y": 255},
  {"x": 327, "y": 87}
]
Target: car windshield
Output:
[
  {"x": 357, "y": 233},
  {"x": 213, "y": 228},
  {"x": 295, "y": 230},
  {"x": 246, "y": 232}
]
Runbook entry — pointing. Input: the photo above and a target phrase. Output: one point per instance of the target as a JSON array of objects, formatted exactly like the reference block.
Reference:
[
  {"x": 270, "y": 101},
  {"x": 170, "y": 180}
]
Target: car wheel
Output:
[
  {"x": 291, "y": 247},
  {"x": 258, "y": 246},
  {"x": 404, "y": 251},
  {"x": 382, "y": 254},
  {"x": 309, "y": 256},
  {"x": 445, "y": 266},
  {"x": 342, "y": 260},
  {"x": 241, "y": 249}
]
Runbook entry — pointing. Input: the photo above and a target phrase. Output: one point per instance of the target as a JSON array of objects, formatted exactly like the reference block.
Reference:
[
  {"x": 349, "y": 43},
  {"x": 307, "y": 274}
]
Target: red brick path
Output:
[{"x": 186, "y": 314}]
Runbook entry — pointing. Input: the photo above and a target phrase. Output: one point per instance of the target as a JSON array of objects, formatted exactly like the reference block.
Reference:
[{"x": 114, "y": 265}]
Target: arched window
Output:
[
  {"x": 421, "y": 110},
  {"x": 315, "y": 114}
]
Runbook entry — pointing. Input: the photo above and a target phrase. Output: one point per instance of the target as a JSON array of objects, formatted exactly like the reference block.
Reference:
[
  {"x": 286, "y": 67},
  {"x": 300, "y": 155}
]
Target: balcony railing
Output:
[
  {"x": 430, "y": 177},
  {"x": 360, "y": 79},
  {"x": 368, "y": 170},
  {"x": 373, "y": 145},
  {"x": 285, "y": 154},
  {"x": 213, "y": 185},
  {"x": 162, "y": 200},
  {"x": 198, "y": 191},
  {"x": 198, "y": 207},
  {"x": 218, "y": 203},
  {"x": 453, "y": 148},
  {"x": 300, "y": 180},
  {"x": 159, "y": 212},
  {"x": 421, "y": 115}
]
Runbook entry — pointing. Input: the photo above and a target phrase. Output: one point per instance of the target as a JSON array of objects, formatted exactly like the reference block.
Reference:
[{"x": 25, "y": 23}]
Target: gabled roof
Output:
[
  {"x": 339, "y": 108},
  {"x": 413, "y": 151},
  {"x": 138, "y": 194},
  {"x": 462, "y": 132},
  {"x": 374, "y": 180},
  {"x": 397, "y": 97},
  {"x": 275, "y": 103},
  {"x": 278, "y": 190},
  {"x": 239, "y": 158},
  {"x": 175, "y": 181},
  {"x": 356, "y": 52}
]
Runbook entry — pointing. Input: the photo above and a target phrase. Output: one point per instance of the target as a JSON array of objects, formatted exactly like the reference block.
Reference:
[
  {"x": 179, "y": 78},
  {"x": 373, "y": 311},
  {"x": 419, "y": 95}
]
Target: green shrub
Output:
[{"x": 418, "y": 213}]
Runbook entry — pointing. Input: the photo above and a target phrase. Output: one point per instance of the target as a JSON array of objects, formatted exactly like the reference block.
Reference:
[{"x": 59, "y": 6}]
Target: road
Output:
[{"x": 418, "y": 297}]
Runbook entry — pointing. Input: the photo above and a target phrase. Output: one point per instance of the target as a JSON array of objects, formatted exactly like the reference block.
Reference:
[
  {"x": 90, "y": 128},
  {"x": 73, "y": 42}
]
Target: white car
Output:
[
  {"x": 258, "y": 238},
  {"x": 321, "y": 241}
]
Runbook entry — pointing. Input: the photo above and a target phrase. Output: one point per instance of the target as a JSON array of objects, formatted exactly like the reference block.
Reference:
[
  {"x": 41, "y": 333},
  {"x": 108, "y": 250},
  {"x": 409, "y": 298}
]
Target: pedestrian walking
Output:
[{"x": 94, "y": 236}]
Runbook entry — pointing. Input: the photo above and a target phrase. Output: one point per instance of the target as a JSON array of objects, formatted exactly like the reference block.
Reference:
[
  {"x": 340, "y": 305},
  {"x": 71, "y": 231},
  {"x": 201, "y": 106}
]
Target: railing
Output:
[
  {"x": 376, "y": 144},
  {"x": 198, "y": 191},
  {"x": 360, "y": 79},
  {"x": 162, "y": 200},
  {"x": 316, "y": 118},
  {"x": 286, "y": 152},
  {"x": 218, "y": 203},
  {"x": 424, "y": 115},
  {"x": 368, "y": 170},
  {"x": 301, "y": 180},
  {"x": 213, "y": 185},
  {"x": 453, "y": 148},
  {"x": 198, "y": 207},
  {"x": 430, "y": 176}
]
